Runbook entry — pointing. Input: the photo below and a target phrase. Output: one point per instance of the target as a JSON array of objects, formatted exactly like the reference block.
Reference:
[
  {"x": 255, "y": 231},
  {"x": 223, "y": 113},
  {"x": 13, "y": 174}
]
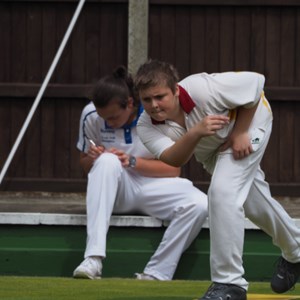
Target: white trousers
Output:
[
  {"x": 238, "y": 188},
  {"x": 113, "y": 189}
]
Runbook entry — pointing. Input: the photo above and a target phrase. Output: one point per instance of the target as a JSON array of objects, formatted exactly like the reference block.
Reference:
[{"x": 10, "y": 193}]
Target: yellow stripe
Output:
[
  {"x": 271, "y": 297},
  {"x": 265, "y": 102},
  {"x": 232, "y": 114}
]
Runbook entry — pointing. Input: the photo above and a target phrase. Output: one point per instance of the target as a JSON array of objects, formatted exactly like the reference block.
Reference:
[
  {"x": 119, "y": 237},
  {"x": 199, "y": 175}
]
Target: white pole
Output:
[{"x": 42, "y": 89}]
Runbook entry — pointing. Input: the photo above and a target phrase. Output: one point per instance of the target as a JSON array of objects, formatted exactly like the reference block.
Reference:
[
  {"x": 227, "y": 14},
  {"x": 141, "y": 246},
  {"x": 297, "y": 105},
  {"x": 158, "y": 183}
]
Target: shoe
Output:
[
  {"x": 143, "y": 276},
  {"x": 285, "y": 276},
  {"x": 221, "y": 291},
  {"x": 90, "y": 268}
]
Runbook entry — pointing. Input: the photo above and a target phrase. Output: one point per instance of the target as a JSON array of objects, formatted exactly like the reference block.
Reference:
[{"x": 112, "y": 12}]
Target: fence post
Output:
[{"x": 138, "y": 12}]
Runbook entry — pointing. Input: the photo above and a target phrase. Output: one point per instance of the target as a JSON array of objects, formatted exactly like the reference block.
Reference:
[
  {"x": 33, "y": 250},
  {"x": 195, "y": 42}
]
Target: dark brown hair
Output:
[
  {"x": 117, "y": 86},
  {"x": 154, "y": 73}
]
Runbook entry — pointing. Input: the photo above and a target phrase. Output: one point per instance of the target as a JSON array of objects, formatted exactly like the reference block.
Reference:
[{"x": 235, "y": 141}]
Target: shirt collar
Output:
[{"x": 186, "y": 102}]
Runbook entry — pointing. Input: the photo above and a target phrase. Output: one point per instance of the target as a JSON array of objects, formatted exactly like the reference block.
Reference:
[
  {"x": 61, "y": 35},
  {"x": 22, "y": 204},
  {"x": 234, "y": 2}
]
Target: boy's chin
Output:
[{"x": 158, "y": 118}]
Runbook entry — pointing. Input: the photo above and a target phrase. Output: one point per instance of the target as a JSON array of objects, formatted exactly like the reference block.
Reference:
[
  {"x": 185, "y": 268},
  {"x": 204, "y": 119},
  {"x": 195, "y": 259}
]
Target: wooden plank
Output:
[
  {"x": 154, "y": 32},
  {"x": 19, "y": 111},
  {"x": 194, "y": 171},
  {"x": 270, "y": 161},
  {"x": 258, "y": 39},
  {"x": 121, "y": 35},
  {"x": 272, "y": 58},
  {"x": 62, "y": 139},
  {"x": 75, "y": 112},
  {"x": 242, "y": 39},
  {"x": 25, "y": 90},
  {"x": 64, "y": 15},
  {"x": 34, "y": 43},
  {"x": 69, "y": 1},
  {"x": 33, "y": 74},
  {"x": 183, "y": 41},
  {"x": 48, "y": 138},
  {"x": 49, "y": 47},
  {"x": 44, "y": 184},
  {"x": 227, "y": 2},
  {"x": 282, "y": 93},
  {"x": 5, "y": 38},
  {"x": 197, "y": 40},
  {"x": 212, "y": 44},
  {"x": 18, "y": 42},
  {"x": 227, "y": 39},
  {"x": 186, "y": 2},
  {"x": 32, "y": 155},
  {"x": 297, "y": 45},
  {"x": 93, "y": 42},
  {"x": 71, "y": 91},
  {"x": 78, "y": 53},
  {"x": 296, "y": 175},
  {"x": 79, "y": 186},
  {"x": 168, "y": 35},
  {"x": 108, "y": 38},
  {"x": 287, "y": 51},
  {"x": 286, "y": 146},
  {"x": 5, "y": 131}
]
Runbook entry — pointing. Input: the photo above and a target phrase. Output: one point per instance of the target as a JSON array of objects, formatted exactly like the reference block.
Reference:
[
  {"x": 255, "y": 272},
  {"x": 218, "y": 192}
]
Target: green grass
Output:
[{"x": 46, "y": 288}]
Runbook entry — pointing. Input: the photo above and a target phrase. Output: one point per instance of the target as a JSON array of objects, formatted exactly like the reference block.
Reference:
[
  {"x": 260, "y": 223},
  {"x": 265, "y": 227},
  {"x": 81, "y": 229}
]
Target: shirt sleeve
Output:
[
  {"x": 86, "y": 129},
  {"x": 152, "y": 136},
  {"x": 220, "y": 91},
  {"x": 239, "y": 88}
]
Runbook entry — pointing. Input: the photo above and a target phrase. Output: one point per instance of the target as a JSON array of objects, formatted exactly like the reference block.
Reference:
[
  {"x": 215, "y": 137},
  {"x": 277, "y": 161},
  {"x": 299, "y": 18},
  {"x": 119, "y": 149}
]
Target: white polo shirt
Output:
[
  {"x": 93, "y": 127},
  {"x": 208, "y": 94}
]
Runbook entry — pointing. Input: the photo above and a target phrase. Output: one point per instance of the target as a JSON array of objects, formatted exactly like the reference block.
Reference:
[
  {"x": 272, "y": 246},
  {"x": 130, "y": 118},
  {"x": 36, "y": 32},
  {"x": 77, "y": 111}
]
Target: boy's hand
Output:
[
  {"x": 123, "y": 157},
  {"x": 95, "y": 151},
  {"x": 211, "y": 124},
  {"x": 240, "y": 144}
]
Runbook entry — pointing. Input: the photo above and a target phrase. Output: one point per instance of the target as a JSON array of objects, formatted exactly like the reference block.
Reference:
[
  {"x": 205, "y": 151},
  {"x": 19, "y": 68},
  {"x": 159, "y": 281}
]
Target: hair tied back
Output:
[{"x": 120, "y": 73}]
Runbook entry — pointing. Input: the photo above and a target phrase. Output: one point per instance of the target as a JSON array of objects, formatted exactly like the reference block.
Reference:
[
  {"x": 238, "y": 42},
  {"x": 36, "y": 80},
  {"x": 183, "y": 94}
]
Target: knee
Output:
[
  {"x": 218, "y": 194},
  {"x": 107, "y": 161},
  {"x": 198, "y": 205}
]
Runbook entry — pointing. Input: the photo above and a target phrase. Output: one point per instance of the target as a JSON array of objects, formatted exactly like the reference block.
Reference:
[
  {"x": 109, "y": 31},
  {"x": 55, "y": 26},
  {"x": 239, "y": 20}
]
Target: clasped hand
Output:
[
  {"x": 95, "y": 151},
  {"x": 238, "y": 141}
]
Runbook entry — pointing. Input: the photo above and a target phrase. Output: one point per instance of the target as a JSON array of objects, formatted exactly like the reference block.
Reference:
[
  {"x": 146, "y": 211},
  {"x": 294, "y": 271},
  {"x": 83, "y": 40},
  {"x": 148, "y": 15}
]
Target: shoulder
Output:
[
  {"x": 89, "y": 111},
  {"x": 144, "y": 119},
  {"x": 90, "y": 107}
]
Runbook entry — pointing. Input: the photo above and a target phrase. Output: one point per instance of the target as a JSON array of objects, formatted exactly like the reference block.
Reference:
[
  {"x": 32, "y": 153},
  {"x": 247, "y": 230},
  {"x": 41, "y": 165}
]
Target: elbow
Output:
[
  {"x": 177, "y": 164},
  {"x": 177, "y": 172},
  {"x": 174, "y": 163}
]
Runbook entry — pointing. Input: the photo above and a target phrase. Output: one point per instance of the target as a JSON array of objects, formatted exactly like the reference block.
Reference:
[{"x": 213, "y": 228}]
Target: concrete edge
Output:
[{"x": 9, "y": 218}]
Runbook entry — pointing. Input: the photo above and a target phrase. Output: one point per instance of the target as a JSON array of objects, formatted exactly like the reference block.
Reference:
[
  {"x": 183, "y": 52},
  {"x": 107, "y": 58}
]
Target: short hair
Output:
[
  {"x": 154, "y": 73},
  {"x": 117, "y": 86}
]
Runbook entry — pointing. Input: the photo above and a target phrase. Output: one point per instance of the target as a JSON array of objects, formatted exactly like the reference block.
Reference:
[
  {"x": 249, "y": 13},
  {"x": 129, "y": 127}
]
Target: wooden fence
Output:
[{"x": 196, "y": 36}]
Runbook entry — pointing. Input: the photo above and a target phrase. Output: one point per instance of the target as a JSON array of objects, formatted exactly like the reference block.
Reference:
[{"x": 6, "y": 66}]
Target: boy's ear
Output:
[
  {"x": 177, "y": 90},
  {"x": 130, "y": 102}
]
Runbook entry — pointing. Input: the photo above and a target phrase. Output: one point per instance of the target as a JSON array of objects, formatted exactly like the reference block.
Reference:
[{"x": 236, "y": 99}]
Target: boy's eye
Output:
[
  {"x": 159, "y": 97},
  {"x": 146, "y": 99}
]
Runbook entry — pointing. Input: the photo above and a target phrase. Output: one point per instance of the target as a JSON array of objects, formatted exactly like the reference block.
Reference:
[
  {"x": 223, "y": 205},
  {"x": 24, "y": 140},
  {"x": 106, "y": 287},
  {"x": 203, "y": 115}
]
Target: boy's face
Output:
[{"x": 160, "y": 102}]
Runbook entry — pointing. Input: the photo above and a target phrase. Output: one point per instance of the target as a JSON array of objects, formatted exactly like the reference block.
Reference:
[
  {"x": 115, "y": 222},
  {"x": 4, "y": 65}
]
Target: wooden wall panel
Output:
[
  {"x": 5, "y": 38},
  {"x": 48, "y": 138},
  {"x": 194, "y": 35}
]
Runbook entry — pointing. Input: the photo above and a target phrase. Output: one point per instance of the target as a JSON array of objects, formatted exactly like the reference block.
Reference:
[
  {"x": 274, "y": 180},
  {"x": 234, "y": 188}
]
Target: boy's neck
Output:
[{"x": 179, "y": 116}]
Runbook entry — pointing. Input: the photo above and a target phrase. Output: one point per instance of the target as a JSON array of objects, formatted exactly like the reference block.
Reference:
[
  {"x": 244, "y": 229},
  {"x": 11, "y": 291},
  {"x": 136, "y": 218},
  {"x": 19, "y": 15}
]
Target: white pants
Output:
[
  {"x": 113, "y": 189},
  {"x": 238, "y": 188}
]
